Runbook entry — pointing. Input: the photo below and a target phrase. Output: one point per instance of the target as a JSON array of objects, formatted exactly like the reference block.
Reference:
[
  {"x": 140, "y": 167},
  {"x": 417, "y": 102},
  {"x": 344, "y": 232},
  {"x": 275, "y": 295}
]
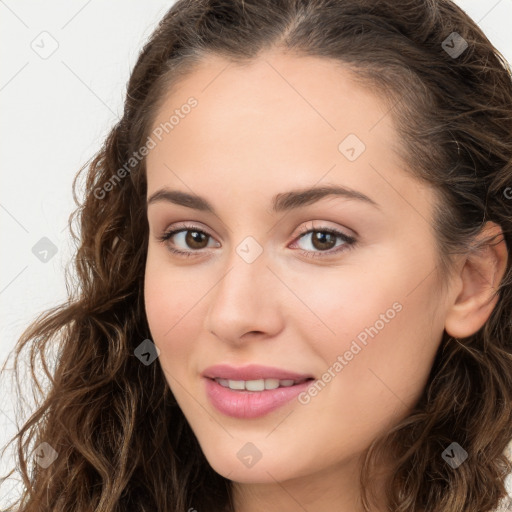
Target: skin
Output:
[{"x": 263, "y": 129}]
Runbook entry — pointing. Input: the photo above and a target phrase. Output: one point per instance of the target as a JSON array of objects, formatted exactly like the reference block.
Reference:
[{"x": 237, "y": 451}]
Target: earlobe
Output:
[{"x": 480, "y": 275}]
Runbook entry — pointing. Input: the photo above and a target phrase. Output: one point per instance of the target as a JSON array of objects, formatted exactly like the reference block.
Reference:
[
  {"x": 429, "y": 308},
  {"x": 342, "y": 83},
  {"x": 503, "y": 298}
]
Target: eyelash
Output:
[{"x": 349, "y": 241}]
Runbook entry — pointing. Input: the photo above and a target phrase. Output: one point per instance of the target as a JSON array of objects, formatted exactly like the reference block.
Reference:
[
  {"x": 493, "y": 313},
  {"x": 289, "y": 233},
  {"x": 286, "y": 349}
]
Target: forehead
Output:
[
  {"x": 279, "y": 90},
  {"x": 276, "y": 121}
]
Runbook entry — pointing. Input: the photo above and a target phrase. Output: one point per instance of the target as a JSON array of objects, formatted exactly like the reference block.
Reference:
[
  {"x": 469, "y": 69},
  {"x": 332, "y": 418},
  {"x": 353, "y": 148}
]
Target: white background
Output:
[{"x": 55, "y": 112}]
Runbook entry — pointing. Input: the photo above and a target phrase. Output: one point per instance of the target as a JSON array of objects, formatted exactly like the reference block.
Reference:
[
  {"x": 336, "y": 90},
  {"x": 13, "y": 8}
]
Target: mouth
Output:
[
  {"x": 251, "y": 399},
  {"x": 252, "y": 391},
  {"x": 253, "y": 374},
  {"x": 259, "y": 384}
]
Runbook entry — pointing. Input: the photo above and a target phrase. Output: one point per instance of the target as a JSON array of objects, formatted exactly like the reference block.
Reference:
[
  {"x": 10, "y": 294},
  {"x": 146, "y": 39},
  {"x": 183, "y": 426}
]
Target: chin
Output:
[{"x": 263, "y": 471}]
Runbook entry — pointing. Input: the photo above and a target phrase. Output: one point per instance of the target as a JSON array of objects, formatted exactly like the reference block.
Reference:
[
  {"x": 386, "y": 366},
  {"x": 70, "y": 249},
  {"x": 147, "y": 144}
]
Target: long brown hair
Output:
[{"x": 123, "y": 443}]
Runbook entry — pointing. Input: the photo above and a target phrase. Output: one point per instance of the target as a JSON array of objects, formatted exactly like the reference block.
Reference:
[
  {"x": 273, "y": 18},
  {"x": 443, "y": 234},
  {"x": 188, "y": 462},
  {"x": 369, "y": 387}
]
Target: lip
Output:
[
  {"x": 250, "y": 404},
  {"x": 251, "y": 372}
]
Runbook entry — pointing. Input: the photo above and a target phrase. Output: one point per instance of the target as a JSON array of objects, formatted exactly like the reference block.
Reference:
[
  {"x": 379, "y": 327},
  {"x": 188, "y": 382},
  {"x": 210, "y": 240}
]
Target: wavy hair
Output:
[{"x": 122, "y": 441}]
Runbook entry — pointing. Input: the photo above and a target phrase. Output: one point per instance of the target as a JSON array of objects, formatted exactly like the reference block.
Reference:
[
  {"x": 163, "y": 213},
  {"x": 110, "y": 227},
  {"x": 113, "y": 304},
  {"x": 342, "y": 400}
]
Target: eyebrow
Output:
[{"x": 284, "y": 201}]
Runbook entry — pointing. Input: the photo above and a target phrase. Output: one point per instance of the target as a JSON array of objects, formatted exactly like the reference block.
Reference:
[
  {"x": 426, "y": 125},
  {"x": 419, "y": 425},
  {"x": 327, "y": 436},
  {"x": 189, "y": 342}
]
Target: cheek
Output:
[
  {"x": 167, "y": 296},
  {"x": 173, "y": 310},
  {"x": 340, "y": 308},
  {"x": 384, "y": 328},
  {"x": 165, "y": 308},
  {"x": 387, "y": 362}
]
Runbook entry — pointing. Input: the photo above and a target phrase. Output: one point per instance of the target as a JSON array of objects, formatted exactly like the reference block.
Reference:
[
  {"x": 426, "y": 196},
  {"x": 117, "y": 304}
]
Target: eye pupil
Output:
[
  {"x": 320, "y": 236},
  {"x": 194, "y": 237}
]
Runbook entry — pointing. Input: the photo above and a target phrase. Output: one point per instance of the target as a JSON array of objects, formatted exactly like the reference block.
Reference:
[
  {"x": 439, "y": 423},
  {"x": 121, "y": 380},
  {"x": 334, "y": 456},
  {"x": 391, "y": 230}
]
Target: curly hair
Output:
[{"x": 122, "y": 441}]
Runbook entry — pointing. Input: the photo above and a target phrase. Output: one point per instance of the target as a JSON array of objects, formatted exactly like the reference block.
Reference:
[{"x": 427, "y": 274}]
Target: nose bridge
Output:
[
  {"x": 245, "y": 298},
  {"x": 246, "y": 272}
]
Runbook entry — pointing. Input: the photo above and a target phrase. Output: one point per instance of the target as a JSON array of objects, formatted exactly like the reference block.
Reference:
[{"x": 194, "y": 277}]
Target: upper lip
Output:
[{"x": 251, "y": 372}]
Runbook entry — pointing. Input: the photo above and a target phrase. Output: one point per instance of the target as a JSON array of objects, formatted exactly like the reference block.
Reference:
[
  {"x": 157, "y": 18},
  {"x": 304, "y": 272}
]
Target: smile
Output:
[
  {"x": 252, "y": 399},
  {"x": 257, "y": 385}
]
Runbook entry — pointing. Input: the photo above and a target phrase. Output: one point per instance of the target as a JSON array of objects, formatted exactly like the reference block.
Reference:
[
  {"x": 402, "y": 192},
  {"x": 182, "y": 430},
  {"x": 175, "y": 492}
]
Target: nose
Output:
[{"x": 246, "y": 301}]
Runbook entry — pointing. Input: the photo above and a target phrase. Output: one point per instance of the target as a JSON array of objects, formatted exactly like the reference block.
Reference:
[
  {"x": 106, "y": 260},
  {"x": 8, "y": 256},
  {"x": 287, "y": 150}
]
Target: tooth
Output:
[
  {"x": 255, "y": 385},
  {"x": 237, "y": 384},
  {"x": 271, "y": 383}
]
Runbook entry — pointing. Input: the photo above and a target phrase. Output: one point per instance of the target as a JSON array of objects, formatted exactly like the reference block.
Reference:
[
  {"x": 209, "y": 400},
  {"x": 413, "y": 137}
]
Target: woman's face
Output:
[{"x": 363, "y": 318}]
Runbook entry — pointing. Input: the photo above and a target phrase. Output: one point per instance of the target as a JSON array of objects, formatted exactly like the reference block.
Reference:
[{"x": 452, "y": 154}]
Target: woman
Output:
[{"x": 294, "y": 283}]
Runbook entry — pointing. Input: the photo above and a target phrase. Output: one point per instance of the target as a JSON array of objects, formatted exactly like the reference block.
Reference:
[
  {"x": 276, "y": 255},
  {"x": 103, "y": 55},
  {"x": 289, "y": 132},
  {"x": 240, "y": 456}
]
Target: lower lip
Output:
[{"x": 250, "y": 404}]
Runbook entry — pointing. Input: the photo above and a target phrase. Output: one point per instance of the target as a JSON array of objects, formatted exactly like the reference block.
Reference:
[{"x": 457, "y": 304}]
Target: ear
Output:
[{"x": 475, "y": 286}]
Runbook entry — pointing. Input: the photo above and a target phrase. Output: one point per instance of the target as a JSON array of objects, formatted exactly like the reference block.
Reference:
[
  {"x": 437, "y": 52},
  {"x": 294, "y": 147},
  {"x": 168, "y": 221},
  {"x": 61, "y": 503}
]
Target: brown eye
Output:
[
  {"x": 195, "y": 239},
  {"x": 323, "y": 242},
  {"x": 185, "y": 240}
]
